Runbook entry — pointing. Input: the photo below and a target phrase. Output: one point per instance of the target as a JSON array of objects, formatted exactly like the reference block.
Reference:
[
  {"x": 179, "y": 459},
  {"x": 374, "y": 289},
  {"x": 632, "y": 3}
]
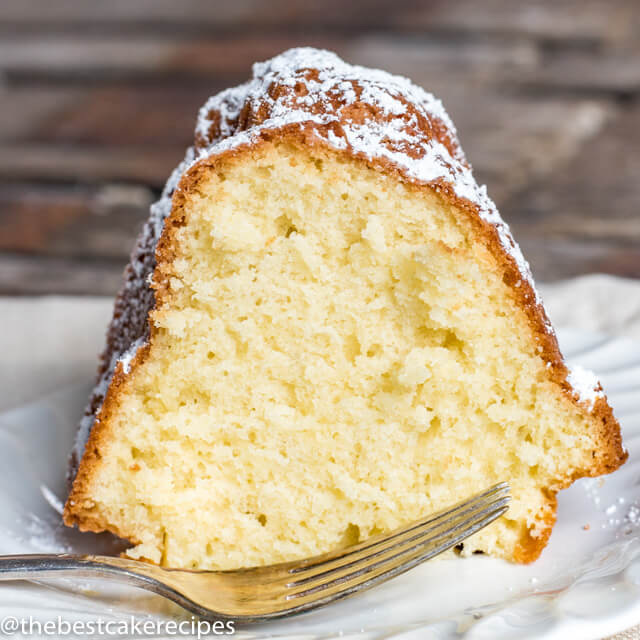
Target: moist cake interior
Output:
[{"x": 336, "y": 355}]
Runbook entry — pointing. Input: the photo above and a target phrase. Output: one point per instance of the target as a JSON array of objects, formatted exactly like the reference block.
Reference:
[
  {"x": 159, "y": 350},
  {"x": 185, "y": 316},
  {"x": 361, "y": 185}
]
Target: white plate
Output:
[{"x": 585, "y": 585}]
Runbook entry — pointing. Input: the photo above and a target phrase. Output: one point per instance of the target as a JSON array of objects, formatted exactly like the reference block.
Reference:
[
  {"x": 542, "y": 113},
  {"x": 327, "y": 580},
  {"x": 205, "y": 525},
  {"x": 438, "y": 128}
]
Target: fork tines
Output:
[{"x": 338, "y": 574}]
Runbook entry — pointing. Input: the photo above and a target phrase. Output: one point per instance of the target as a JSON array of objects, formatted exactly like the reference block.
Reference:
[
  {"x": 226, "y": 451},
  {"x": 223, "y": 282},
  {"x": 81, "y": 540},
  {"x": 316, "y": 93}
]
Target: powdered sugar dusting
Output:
[
  {"x": 585, "y": 384},
  {"x": 54, "y": 502},
  {"x": 43, "y": 537},
  {"x": 633, "y": 515},
  {"x": 126, "y": 358}
]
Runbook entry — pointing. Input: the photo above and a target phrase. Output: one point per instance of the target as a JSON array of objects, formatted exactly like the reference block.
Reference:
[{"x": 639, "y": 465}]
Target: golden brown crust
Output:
[
  {"x": 530, "y": 547},
  {"x": 313, "y": 135},
  {"x": 78, "y": 510}
]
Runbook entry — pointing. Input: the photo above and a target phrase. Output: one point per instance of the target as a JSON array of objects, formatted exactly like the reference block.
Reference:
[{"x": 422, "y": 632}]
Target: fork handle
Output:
[
  {"x": 131, "y": 572},
  {"x": 49, "y": 565}
]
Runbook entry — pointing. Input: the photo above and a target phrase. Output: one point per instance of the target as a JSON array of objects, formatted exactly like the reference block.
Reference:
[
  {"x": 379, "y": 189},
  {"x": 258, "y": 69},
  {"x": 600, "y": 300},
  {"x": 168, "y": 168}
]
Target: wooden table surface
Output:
[{"x": 98, "y": 101}]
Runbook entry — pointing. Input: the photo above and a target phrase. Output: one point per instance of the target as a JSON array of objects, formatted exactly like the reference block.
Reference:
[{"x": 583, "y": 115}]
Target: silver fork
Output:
[{"x": 262, "y": 593}]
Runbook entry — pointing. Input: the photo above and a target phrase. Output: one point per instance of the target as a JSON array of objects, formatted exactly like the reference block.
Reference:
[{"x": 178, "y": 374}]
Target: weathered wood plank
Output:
[
  {"x": 24, "y": 109},
  {"x": 553, "y": 259},
  {"x": 149, "y": 165},
  {"x": 613, "y": 72},
  {"x": 515, "y": 142},
  {"x": 588, "y": 208},
  {"x": 240, "y": 14},
  {"x": 120, "y": 56},
  {"x": 507, "y": 67},
  {"x": 596, "y": 193},
  {"x": 79, "y": 222},
  {"x": 124, "y": 116},
  {"x": 550, "y": 20},
  {"x": 34, "y": 275},
  {"x": 567, "y": 20},
  {"x": 117, "y": 58},
  {"x": 84, "y": 59}
]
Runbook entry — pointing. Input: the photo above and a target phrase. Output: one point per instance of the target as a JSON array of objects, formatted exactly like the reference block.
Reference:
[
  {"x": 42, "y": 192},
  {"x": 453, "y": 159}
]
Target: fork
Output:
[{"x": 263, "y": 593}]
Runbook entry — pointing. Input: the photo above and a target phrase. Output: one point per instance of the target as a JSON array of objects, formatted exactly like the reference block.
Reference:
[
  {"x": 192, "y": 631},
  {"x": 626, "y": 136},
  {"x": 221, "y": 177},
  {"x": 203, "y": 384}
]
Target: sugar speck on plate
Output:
[{"x": 633, "y": 515}]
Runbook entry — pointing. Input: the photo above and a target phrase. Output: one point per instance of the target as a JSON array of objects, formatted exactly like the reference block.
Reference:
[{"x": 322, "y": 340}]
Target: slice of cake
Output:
[{"x": 326, "y": 331}]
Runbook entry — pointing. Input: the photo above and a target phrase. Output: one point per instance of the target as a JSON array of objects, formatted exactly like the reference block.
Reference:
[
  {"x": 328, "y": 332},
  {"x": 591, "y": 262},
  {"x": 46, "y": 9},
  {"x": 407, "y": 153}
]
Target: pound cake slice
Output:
[{"x": 327, "y": 331}]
